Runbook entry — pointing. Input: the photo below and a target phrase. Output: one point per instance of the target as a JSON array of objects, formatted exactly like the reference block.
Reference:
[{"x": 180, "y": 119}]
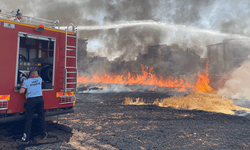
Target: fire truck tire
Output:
[{"x": 47, "y": 72}]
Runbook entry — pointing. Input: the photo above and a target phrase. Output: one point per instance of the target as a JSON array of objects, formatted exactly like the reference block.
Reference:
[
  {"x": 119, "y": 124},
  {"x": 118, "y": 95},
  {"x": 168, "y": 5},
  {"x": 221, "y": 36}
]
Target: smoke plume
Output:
[
  {"x": 238, "y": 86},
  {"x": 225, "y": 16},
  {"x": 189, "y": 24}
]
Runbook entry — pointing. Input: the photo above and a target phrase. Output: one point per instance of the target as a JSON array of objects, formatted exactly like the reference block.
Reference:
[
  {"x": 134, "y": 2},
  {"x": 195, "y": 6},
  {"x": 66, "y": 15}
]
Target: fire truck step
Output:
[
  {"x": 70, "y": 56},
  {"x": 71, "y": 67},
  {"x": 70, "y": 78},
  {"x": 71, "y": 36}
]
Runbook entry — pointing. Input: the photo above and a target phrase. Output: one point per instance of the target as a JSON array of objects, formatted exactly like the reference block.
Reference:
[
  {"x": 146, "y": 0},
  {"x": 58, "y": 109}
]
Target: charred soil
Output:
[{"x": 102, "y": 121}]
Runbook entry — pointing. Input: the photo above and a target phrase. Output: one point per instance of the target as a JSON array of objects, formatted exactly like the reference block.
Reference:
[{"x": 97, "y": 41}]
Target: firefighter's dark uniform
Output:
[{"x": 35, "y": 102}]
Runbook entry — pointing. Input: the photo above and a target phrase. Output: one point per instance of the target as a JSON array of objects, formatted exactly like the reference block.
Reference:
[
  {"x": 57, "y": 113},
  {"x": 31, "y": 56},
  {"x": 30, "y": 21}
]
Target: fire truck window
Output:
[{"x": 36, "y": 54}]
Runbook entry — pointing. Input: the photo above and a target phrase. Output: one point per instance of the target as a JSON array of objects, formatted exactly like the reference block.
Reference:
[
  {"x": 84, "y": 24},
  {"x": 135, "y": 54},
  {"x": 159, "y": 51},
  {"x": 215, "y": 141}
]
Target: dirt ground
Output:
[{"x": 101, "y": 121}]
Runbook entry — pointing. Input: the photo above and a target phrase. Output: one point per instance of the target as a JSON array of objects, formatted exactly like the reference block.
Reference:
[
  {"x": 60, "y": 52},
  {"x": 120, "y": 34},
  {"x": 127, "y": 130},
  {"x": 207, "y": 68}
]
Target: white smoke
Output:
[
  {"x": 116, "y": 88},
  {"x": 186, "y": 37},
  {"x": 227, "y": 16},
  {"x": 238, "y": 86}
]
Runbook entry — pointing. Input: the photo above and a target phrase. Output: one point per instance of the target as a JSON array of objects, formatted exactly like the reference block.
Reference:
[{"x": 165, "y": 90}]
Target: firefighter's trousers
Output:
[{"x": 34, "y": 104}]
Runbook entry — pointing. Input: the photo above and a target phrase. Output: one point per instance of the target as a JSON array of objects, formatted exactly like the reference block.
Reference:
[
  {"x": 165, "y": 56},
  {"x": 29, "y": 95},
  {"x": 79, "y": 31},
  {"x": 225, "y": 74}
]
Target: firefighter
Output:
[
  {"x": 18, "y": 17},
  {"x": 35, "y": 102}
]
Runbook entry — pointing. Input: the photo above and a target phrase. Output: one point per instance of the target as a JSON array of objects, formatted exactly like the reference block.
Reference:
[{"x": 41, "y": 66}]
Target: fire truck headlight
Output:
[{"x": 24, "y": 63}]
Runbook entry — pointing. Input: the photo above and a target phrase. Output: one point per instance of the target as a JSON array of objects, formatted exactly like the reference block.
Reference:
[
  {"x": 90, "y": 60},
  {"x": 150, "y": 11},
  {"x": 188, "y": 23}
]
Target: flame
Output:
[
  {"x": 148, "y": 78},
  {"x": 202, "y": 84}
]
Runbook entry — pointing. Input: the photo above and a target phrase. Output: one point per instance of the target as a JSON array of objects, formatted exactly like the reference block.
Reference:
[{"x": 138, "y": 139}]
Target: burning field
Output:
[
  {"x": 142, "y": 111},
  {"x": 200, "y": 96},
  {"x": 148, "y": 78}
]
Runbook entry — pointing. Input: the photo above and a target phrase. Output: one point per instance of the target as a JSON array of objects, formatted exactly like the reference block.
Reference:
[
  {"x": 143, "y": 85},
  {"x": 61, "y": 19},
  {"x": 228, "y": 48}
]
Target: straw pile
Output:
[{"x": 209, "y": 101}]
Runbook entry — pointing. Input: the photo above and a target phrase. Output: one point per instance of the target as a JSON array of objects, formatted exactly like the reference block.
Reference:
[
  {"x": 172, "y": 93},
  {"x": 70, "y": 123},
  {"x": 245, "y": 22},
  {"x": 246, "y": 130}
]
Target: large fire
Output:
[{"x": 148, "y": 78}]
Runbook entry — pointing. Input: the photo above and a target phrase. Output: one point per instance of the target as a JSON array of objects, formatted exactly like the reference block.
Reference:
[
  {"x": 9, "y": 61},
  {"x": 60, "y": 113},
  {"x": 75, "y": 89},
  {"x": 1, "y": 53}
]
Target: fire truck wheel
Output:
[{"x": 47, "y": 72}]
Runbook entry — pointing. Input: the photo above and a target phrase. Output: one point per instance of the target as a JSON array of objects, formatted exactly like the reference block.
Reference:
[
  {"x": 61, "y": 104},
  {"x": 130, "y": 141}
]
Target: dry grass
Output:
[
  {"x": 209, "y": 101},
  {"x": 131, "y": 101}
]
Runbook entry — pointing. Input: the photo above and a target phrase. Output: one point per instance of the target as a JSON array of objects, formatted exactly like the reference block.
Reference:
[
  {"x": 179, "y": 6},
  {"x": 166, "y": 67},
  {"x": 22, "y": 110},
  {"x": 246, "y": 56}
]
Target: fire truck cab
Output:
[{"x": 36, "y": 43}]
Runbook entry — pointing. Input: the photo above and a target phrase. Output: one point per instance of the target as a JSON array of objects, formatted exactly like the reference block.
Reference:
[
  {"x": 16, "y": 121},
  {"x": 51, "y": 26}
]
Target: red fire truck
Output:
[{"x": 35, "y": 43}]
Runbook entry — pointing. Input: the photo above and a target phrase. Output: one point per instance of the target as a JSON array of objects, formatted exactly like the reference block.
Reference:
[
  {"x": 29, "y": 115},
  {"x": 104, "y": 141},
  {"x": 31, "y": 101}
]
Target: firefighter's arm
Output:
[{"x": 22, "y": 90}]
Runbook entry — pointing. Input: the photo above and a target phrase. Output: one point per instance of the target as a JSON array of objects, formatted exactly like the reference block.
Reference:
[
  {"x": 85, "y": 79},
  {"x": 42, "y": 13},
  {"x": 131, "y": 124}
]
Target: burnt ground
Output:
[{"x": 101, "y": 121}]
